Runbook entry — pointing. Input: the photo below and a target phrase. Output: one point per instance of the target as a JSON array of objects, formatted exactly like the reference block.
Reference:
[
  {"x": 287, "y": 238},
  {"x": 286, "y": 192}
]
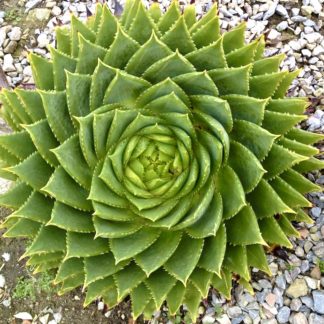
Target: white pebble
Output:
[
  {"x": 6, "y": 257},
  {"x": 274, "y": 34},
  {"x": 282, "y": 26},
  {"x": 24, "y": 316},
  {"x": 2, "y": 281}
]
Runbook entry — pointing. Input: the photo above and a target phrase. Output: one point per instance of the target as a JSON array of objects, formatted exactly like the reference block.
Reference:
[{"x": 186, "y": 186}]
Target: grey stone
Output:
[
  {"x": 265, "y": 284},
  {"x": 316, "y": 212},
  {"x": 234, "y": 311},
  {"x": 15, "y": 34},
  {"x": 315, "y": 319},
  {"x": 208, "y": 319},
  {"x": 311, "y": 283},
  {"x": 8, "y": 63},
  {"x": 304, "y": 266},
  {"x": 283, "y": 314},
  {"x": 281, "y": 10},
  {"x": 40, "y": 14},
  {"x": 307, "y": 301},
  {"x": 318, "y": 297},
  {"x": 32, "y": 4},
  {"x": 11, "y": 47},
  {"x": 282, "y": 26},
  {"x": 318, "y": 249},
  {"x": 295, "y": 304},
  {"x": 298, "y": 318},
  {"x": 281, "y": 282},
  {"x": 224, "y": 319},
  {"x": 297, "y": 288}
]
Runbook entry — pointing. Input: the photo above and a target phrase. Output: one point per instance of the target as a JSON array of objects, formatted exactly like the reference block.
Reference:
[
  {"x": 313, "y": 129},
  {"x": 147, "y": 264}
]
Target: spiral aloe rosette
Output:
[{"x": 156, "y": 158}]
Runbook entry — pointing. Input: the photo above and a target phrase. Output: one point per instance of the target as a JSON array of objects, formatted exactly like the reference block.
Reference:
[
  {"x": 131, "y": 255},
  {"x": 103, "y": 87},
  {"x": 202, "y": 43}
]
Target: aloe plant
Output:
[{"x": 156, "y": 157}]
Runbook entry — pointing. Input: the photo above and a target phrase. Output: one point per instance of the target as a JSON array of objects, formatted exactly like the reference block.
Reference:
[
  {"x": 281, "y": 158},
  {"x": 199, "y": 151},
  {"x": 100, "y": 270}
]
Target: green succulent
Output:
[{"x": 156, "y": 157}]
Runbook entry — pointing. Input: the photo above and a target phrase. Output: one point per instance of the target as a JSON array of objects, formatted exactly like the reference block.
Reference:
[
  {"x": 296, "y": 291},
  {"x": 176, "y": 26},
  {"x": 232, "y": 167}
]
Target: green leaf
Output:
[
  {"x": 214, "y": 107},
  {"x": 207, "y": 34},
  {"x": 37, "y": 208},
  {"x": 298, "y": 148},
  {"x": 236, "y": 261},
  {"x": 304, "y": 137},
  {"x": 285, "y": 84},
  {"x": 34, "y": 171},
  {"x": 272, "y": 233},
  {"x": 213, "y": 253},
  {"x": 110, "y": 229},
  {"x": 189, "y": 14},
  {"x": 159, "y": 252},
  {"x": 264, "y": 192},
  {"x": 265, "y": 85},
  {"x": 142, "y": 25},
  {"x": 309, "y": 165},
  {"x": 81, "y": 245},
  {"x": 57, "y": 114},
  {"x": 69, "y": 268},
  {"x": 255, "y": 138},
  {"x": 100, "y": 266},
  {"x": 128, "y": 279},
  {"x": 209, "y": 223},
  {"x": 292, "y": 106},
  {"x": 155, "y": 12},
  {"x": 101, "y": 78},
  {"x": 22, "y": 228},
  {"x": 63, "y": 40},
  {"x": 224, "y": 283},
  {"x": 88, "y": 56},
  {"x": 229, "y": 185},
  {"x": 288, "y": 194},
  {"x": 107, "y": 28},
  {"x": 133, "y": 244},
  {"x": 184, "y": 260},
  {"x": 243, "y": 229},
  {"x": 61, "y": 63},
  {"x": 170, "y": 66},
  {"x": 98, "y": 288},
  {"x": 208, "y": 57},
  {"x": 160, "y": 283},
  {"x": 257, "y": 258},
  {"x": 70, "y": 156},
  {"x": 246, "y": 166},
  {"x": 124, "y": 89},
  {"x": 172, "y": 14},
  {"x": 149, "y": 53},
  {"x": 279, "y": 160},
  {"x": 140, "y": 297},
  {"x": 196, "y": 83},
  {"x": 201, "y": 279},
  {"x": 192, "y": 300},
  {"x": 175, "y": 297},
  {"x": 121, "y": 50},
  {"x": 16, "y": 195},
  {"x": 159, "y": 90},
  {"x": 73, "y": 195},
  {"x": 18, "y": 144},
  {"x": 44, "y": 140},
  {"x": 246, "y": 108},
  {"x": 70, "y": 283},
  {"x": 231, "y": 80},
  {"x": 78, "y": 28},
  {"x": 299, "y": 182},
  {"x": 42, "y": 72},
  {"x": 243, "y": 55},
  {"x": 70, "y": 219},
  {"x": 178, "y": 37},
  {"x": 278, "y": 123},
  {"x": 49, "y": 239},
  {"x": 12, "y": 99},
  {"x": 235, "y": 38},
  {"x": 209, "y": 16},
  {"x": 32, "y": 103},
  {"x": 267, "y": 65},
  {"x": 77, "y": 95},
  {"x": 287, "y": 226},
  {"x": 112, "y": 213}
]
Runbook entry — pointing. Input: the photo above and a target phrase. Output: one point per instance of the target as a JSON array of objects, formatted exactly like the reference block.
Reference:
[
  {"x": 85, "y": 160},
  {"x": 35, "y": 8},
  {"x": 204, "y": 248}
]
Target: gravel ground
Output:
[{"x": 295, "y": 292}]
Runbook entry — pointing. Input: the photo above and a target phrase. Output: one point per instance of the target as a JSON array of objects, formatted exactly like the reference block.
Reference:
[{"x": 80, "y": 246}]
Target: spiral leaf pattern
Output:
[{"x": 156, "y": 158}]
